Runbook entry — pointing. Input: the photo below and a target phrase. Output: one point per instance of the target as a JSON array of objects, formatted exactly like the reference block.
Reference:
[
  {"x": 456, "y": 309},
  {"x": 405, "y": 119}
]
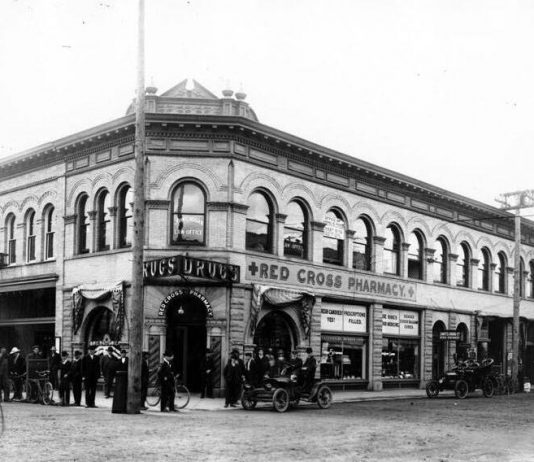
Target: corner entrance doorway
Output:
[
  {"x": 276, "y": 330},
  {"x": 186, "y": 337}
]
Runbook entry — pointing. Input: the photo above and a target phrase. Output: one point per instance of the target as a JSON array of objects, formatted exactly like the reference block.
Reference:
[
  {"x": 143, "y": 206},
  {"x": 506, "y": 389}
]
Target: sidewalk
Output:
[{"x": 217, "y": 404}]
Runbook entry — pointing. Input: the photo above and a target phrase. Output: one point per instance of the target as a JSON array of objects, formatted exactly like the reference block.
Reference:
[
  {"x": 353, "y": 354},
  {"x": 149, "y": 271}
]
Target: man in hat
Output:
[
  {"x": 36, "y": 353},
  {"x": 234, "y": 374},
  {"x": 109, "y": 366},
  {"x": 308, "y": 369},
  {"x": 90, "y": 373},
  {"x": 17, "y": 368},
  {"x": 54, "y": 361},
  {"x": 76, "y": 377},
  {"x": 206, "y": 375},
  {"x": 123, "y": 362},
  {"x": 64, "y": 378},
  {"x": 166, "y": 380},
  {"x": 144, "y": 379},
  {"x": 4, "y": 373},
  {"x": 295, "y": 361}
]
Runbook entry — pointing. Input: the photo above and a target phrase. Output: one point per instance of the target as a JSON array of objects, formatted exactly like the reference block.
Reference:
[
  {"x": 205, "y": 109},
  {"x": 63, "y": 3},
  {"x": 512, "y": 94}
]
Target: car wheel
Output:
[
  {"x": 324, "y": 397},
  {"x": 280, "y": 400},
  {"x": 461, "y": 389},
  {"x": 488, "y": 388},
  {"x": 432, "y": 389},
  {"x": 247, "y": 402}
]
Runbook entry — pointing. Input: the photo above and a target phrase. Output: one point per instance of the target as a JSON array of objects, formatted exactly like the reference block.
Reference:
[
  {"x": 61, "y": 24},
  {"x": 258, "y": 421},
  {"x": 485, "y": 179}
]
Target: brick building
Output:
[{"x": 254, "y": 237}]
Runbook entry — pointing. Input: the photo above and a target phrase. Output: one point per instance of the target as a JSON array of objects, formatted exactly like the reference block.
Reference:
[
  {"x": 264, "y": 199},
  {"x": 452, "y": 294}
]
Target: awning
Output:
[
  {"x": 42, "y": 281},
  {"x": 507, "y": 311}
]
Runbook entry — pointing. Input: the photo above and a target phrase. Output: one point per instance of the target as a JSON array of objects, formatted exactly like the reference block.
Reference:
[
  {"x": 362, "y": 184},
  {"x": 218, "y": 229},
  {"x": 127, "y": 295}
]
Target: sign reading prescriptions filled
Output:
[
  {"x": 343, "y": 318},
  {"x": 312, "y": 277},
  {"x": 400, "y": 322},
  {"x": 334, "y": 227}
]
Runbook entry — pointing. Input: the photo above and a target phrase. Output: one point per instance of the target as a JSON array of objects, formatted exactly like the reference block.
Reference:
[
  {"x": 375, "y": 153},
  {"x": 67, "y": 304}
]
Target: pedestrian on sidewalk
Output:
[
  {"x": 4, "y": 373},
  {"x": 123, "y": 362},
  {"x": 90, "y": 373},
  {"x": 166, "y": 379},
  {"x": 76, "y": 377},
  {"x": 206, "y": 371},
  {"x": 144, "y": 379},
  {"x": 234, "y": 375},
  {"x": 54, "y": 361},
  {"x": 17, "y": 368},
  {"x": 108, "y": 364},
  {"x": 64, "y": 379}
]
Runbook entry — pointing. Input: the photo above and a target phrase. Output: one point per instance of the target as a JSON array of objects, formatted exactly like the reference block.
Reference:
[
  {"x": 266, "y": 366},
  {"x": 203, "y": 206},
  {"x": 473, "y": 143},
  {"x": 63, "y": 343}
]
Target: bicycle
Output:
[
  {"x": 503, "y": 384},
  {"x": 181, "y": 394},
  {"x": 40, "y": 389},
  {"x": 12, "y": 378}
]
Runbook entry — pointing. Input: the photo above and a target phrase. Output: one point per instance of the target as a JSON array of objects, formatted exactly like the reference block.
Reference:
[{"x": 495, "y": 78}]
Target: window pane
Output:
[
  {"x": 361, "y": 254},
  {"x": 104, "y": 223},
  {"x": 333, "y": 238},
  {"x": 415, "y": 257},
  {"x": 391, "y": 252},
  {"x": 188, "y": 217},
  {"x": 258, "y": 208},
  {"x": 258, "y": 232},
  {"x": 294, "y": 231},
  {"x": 400, "y": 358},
  {"x": 462, "y": 266},
  {"x": 83, "y": 223},
  {"x": 440, "y": 262},
  {"x": 344, "y": 359},
  {"x": 188, "y": 198},
  {"x": 483, "y": 270},
  {"x": 125, "y": 217}
]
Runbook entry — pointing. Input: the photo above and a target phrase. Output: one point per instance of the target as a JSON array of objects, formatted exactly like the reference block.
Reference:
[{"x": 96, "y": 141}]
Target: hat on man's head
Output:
[
  {"x": 77, "y": 353},
  {"x": 168, "y": 353},
  {"x": 91, "y": 347},
  {"x": 309, "y": 350},
  {"x": 110, "y": 349},
  {"x": 123, "y": 351},
  {"x": 35, "y": 346},
  {"x": 64, "y": 353},
  {"x": 14, "y": 350},
  {"x": 248, "y": 353}
]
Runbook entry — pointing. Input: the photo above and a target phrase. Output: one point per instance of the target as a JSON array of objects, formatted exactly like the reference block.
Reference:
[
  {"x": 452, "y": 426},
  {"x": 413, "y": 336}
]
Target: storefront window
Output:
[
  {"x": 400, "y": 344},
  {"x": 343, "y": 342}
]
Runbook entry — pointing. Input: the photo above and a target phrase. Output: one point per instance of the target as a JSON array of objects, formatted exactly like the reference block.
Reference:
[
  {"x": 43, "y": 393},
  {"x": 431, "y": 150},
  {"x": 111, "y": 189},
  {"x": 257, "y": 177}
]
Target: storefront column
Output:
[
  {"x": 92, "y": 234},
  {"x": 349, "y": 245},
  {"x": 451, "y": 269},
  {"x": 473, "y": 273},
  {"x": 405, "y": 246},
  {"x": 428, "y": 270},
  {"x": 317, "y": 230},
  {"x": 510, "y": 281},
  {"x": 451, "y": 346},
  {"x": 377, "y": 260},
  {"x": 426, "y": 347},
  {"x": 375, "y": 347},
  {"x": 280, "y": 221}
]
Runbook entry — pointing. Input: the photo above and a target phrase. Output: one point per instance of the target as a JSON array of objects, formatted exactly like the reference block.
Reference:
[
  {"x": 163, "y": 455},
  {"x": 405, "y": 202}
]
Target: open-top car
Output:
[
  {"x": 465, "y": 377},
  {"x": 286, "y": 391}
]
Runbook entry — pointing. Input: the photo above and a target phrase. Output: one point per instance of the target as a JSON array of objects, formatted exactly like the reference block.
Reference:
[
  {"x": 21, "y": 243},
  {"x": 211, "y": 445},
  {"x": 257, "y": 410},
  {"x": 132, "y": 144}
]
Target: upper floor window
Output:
[
  {"x": 522, "y": 278},
  {"x": 296, "y": 231},
  {"x": 188, "y": 216},
  {"x": 362, "y": 245},
  {"x": 104, "y": 235},
  {"x": 415, "y": 256},
  {"x": 440, "y": 261},
  {"x": 484, "y": 262},
  {"x": 392, "y": 250},
  {"x": 500, "y": 274},
  {"x": 462, "y": 265},
  {"x": 125, "y": 221},
  {"x": 30, "y": 235},
  {"x": 49, "y": 232},
  {"x": 530, "y": 291},
  {"x": 82, "y": 224},
  {"x": 11, "y": 241},
  {"x": 333, "y": 238}
]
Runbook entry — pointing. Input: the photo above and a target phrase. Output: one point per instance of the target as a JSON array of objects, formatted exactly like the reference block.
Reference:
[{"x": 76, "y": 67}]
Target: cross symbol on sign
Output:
[{"x": 253, "y": 268}]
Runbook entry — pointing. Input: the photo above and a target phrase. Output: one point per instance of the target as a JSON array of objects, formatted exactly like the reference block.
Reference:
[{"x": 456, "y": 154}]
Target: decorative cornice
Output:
[
  {"x": 280, "y": 217},
  {"x": 405, "y": 246},
  {"x": 510, "y": 269},
  {"x": 379, "y": 240},
  {"x": 70, "y": 219},
  {"x": 493, "y": 266},
  {"x": 317, "y": 226},
  {"x": 453, "y": 257},
  {"x": 474, "y": 261},
  {"x": 218, "y": 206}
]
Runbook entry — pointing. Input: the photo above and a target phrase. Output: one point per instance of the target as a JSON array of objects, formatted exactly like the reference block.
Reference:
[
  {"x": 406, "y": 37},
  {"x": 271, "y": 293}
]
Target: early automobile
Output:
[
  {"x": 465, "y": 377},
  {"x": 286, "y": 391}
]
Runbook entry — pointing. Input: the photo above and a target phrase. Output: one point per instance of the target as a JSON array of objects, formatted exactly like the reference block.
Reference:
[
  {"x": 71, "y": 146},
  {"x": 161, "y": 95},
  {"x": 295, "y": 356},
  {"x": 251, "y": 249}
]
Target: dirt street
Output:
[{"x": 444, "y": 429}]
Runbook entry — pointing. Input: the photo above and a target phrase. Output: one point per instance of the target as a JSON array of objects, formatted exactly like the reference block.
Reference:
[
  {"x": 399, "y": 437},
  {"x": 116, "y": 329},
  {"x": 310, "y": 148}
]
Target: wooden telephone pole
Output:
[
  {"x": 135, "y": 313},
  {"x": 516, "y": 201}
]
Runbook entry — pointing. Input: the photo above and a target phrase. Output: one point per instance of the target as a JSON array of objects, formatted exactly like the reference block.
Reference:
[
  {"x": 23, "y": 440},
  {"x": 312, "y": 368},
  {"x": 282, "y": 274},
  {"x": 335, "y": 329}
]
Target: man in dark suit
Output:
[
  {"x": 90, "y": 373},
  {"x": 308, "y": 369},
  {"x": 144, "y": 379},
  {"x": 123, "y": 362},
  {"x": 76, "y": 377},
  {"x": 206, "y": 375},
  {"x": 54, "y": 361},
  {"x": 250, "y": 368},
  {"x": 166, "y": 380},
  {"x": 17, "y": 368},
  {"x": 108, "y": 364},
  {"x": 64, "y": 378}
]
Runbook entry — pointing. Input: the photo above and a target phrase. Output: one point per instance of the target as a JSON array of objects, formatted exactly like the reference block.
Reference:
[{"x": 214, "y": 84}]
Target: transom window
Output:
[
  {"x": 125, "y": 221},
  {"x": 392, "y": 250},
  {"x": 415, "y": 256},
  {"x": 362, "y": 245},
  {"x": 462, "y": 265},
  {"x": 295, "y": 231},
  {"x": 189, "y": 212},
  {"x": 333, "y": 238}
]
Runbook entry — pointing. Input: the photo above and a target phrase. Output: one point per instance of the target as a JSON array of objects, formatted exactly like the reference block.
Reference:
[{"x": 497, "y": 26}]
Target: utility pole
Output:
[
  {"x": 516, "y": 201},
  {"x": 135, "y": 313}
]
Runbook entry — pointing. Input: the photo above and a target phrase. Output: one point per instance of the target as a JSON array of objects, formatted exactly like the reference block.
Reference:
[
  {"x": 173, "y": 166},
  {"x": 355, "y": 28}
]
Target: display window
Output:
[
  {"x": 344, "y": 342},
  {"x": 400, "y": 344}
]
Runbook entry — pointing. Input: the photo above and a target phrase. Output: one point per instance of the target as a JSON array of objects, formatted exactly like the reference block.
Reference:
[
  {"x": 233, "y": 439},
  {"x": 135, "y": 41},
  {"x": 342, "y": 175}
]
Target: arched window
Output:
[
  {"x": 484, "y": 262},
  {"x": 415, "y": 256},
  {"x": 104, "y": 237},
  {"x": 125, "y": 221},
  {"x": 440, "y": 261},
  {"x": 189, "y": 213},
  {"x": 362, "y": 245},
  {"x": 522, "y": 278},
  {"x": 82, "y": 224},
  {"x": 296, "y": 231},
  {"x": 259, "y": 223},
  {"x": 333, "y": 238},
  {"x": 48, "y": 219},
  {"x": 30, "y": 235},
  {"x": 500, "y": 274},
  {"x": 11, "y": 241},
  {"x": 530, "y": 291},
  {"x": 462, "y": 265},
  {"x": 392, "y": 250}
]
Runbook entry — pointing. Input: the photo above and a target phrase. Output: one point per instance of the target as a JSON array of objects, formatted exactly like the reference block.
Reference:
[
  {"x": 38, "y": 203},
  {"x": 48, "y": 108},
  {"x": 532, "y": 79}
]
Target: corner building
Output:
[{"x": 254, "y": 237}]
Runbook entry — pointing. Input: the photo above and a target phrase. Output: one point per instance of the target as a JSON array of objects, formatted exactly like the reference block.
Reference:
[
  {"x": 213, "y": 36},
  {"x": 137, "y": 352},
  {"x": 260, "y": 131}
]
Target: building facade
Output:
[{"x": 254, "y": 237}]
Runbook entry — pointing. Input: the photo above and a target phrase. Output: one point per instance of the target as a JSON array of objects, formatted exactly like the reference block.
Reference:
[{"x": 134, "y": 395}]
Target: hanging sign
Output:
[{"x": 334, "y": 227}]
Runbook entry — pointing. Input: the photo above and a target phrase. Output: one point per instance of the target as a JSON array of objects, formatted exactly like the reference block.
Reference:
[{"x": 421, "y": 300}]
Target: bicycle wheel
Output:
[
  {"x": 181, "y": 396},
  {"x": 153, "y": 396},
  {"x": 48, "y": 393},
  {"x": 32, "y": 392}
]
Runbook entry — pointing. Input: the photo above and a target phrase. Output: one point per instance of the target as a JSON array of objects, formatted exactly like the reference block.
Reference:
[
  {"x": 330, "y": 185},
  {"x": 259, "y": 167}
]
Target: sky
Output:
[{"x": 442, "y": 91}]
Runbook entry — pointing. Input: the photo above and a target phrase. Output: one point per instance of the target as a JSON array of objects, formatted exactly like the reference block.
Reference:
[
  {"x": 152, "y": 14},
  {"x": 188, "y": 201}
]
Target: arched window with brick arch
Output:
[
  {"x": 124, "y": 216},
  {"x": 441, "y": 255},
  {"x": 500, "y": 273},
  {"x": 30, "y": 235},
  {"x": 259, "y": 232},
  {"x": 334, "y": 237},
  {"x": 82, "y": 224},
  {"x": 11, "y": 241},
  {"x": 415, "y": 255},
  {"x": 188, "y": 214},
  {"x": 484, "y": 263},
  {"x": 462, "y": 265},
  {"x": 296, "y": 230},
  {"x": 48, "y": 231},
  {"x": 362, "y": 249},
  {"x": 104, "y": 238},
  {"x": 392, "y": 250}
]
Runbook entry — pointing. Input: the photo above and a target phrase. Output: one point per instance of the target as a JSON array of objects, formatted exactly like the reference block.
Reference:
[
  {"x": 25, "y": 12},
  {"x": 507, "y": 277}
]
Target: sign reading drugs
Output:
[
  {"x": 181, "y": 265},
  {"x": 400, "y": 322},
  {"x": 343, "y": 318}
]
